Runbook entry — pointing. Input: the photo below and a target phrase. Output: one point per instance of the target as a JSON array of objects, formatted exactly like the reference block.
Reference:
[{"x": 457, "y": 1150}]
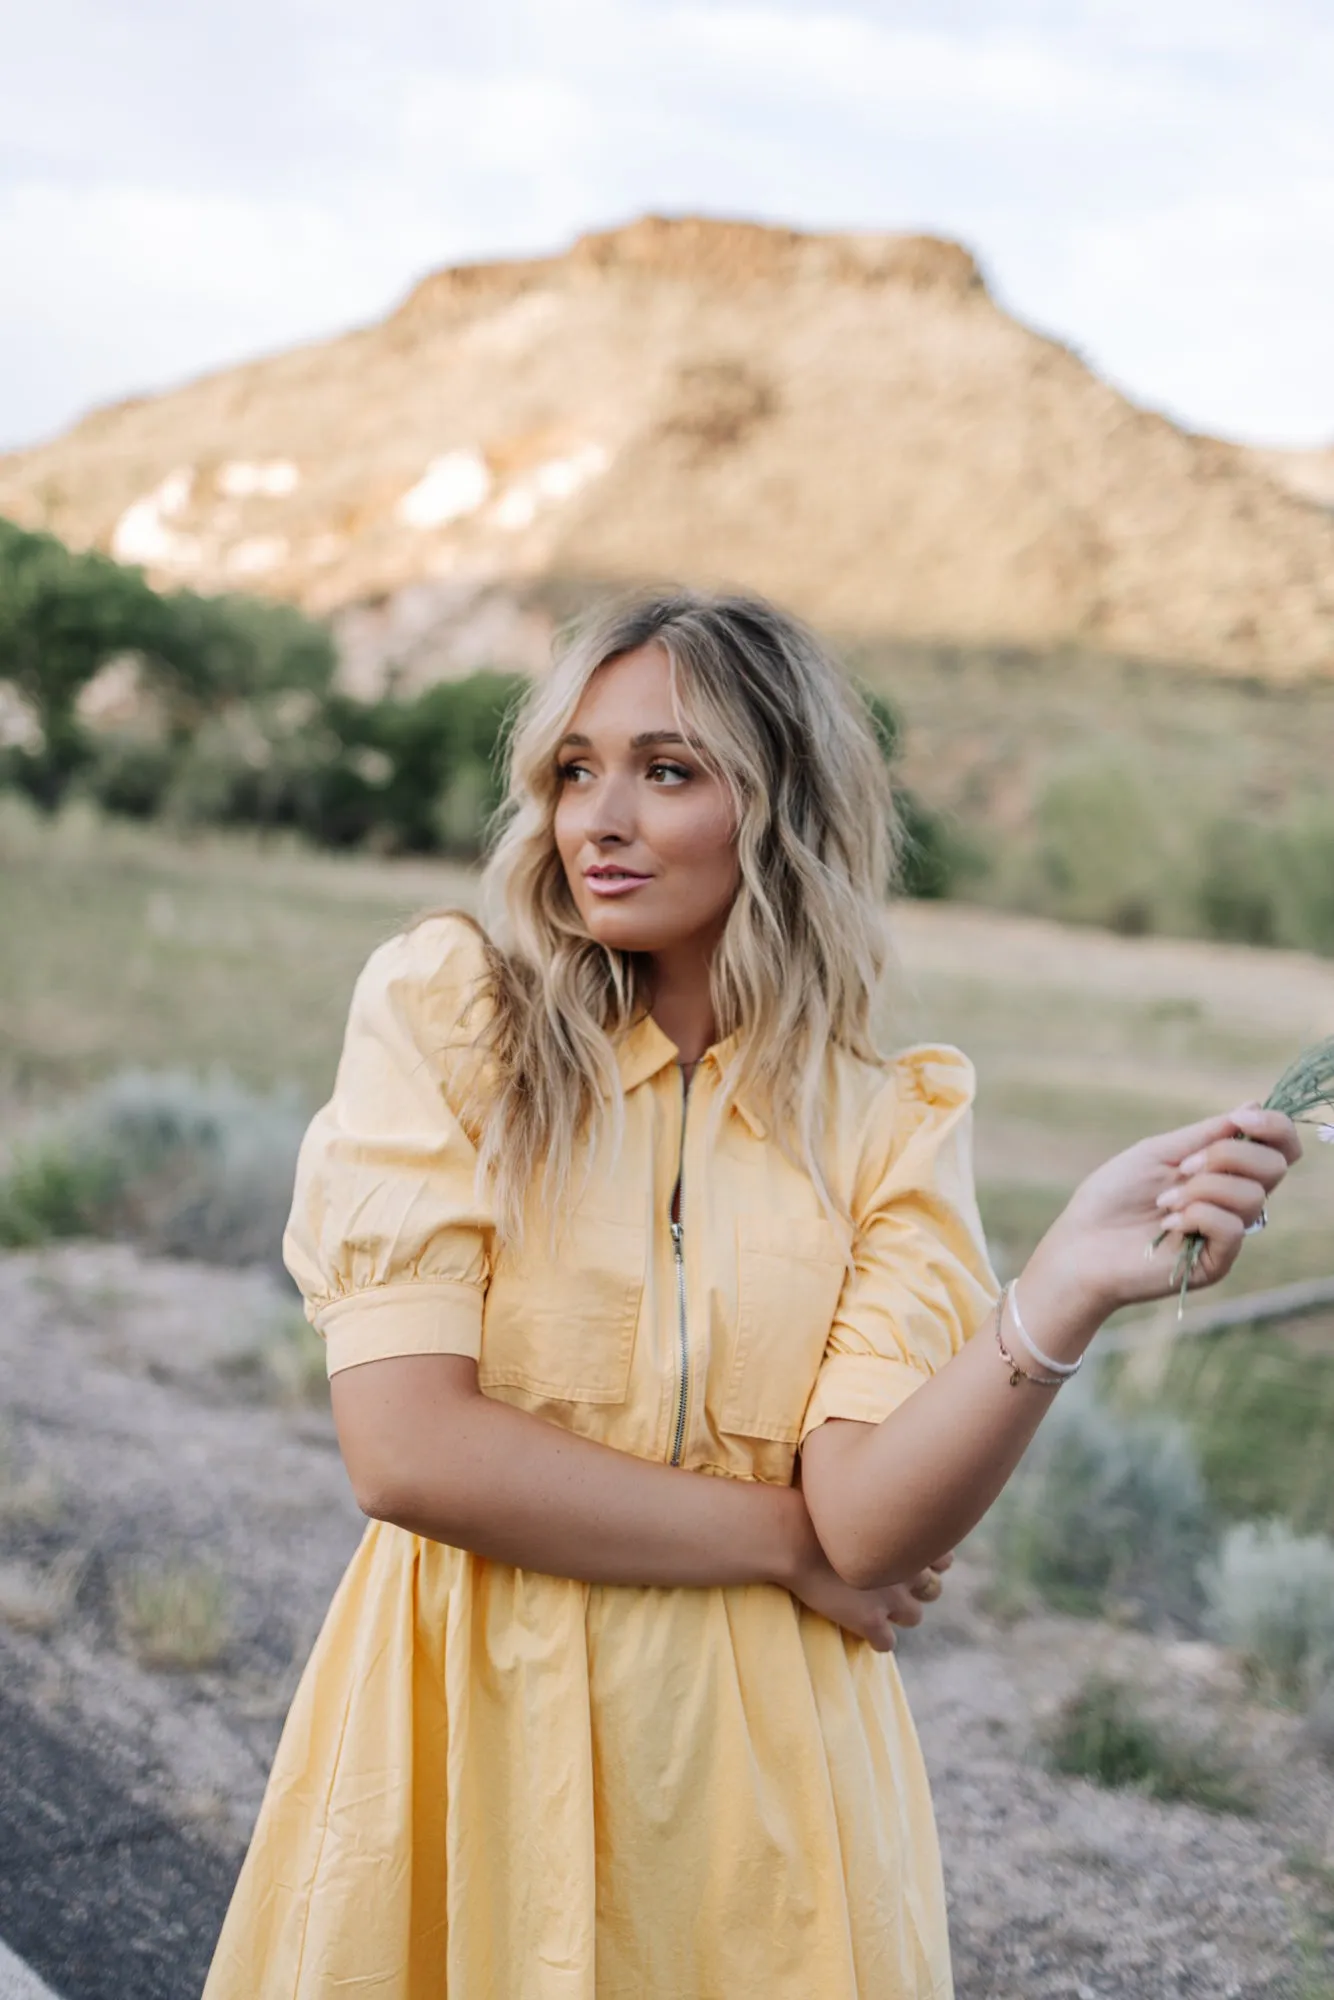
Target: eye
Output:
[
  {"x": 570, "y": 773},
  {"x": 667, "y": 773}
]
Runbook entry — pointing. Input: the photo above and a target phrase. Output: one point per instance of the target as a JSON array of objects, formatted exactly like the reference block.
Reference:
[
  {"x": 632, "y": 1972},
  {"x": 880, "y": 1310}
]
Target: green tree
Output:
[
  {"x": 216, "y": 651},
  {"x": 62, "y": 616}
]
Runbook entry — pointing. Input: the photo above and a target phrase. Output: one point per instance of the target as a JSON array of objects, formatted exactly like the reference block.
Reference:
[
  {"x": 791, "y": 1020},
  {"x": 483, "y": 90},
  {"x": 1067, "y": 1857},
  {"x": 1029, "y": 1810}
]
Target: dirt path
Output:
[{"x": 143, "y": 1436}]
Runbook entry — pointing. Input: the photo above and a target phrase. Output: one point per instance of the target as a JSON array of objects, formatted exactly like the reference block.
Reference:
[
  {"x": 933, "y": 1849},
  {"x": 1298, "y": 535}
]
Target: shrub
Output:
[
  {"x": 932, "y": 853},
  {"x": 1269, "y": 1594},
  {"x": 287, "y": 1364},
  {"x": 1103, "y": 1510},
  {"x": 1270, "y": 884},
  {"x": 177, "y": 1616},
  {"x": 179, "y": 1165},
  {"x": 1237, "y": 893},
  {"x": 1258, "y": 1412},
  {"x": 1099, "y": 1735},
  {"x": 931, "y": 858},
  {"x": 1307, "y": 850},
  {"x": 38, "y": 1603},
  {"x": 1101, "y": 851},
  {"x": 128, "y": 773}
]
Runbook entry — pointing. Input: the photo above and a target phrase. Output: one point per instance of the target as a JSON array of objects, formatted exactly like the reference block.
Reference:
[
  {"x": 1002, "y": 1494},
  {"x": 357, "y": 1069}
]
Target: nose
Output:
[{"x": 610, "y": 820}]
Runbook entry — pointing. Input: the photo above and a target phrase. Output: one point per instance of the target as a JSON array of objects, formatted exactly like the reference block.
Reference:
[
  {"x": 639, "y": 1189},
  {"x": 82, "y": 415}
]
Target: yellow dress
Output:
[{"x": 499, "y": 1785}]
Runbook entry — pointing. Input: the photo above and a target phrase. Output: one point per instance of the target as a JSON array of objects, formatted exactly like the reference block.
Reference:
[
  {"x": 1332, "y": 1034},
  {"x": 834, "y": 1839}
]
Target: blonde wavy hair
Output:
[{"x": 804, "y": 945}]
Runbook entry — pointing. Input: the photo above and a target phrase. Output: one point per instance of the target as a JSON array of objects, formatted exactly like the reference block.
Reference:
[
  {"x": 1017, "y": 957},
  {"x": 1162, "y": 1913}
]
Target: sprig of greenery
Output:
[{"x": 1306, "y": 1086}]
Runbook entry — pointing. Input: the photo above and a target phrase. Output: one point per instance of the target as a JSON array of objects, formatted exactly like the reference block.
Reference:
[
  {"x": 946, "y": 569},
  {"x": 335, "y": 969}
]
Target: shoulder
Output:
[
  {"x": 929, "y": 1079},
  {"x": 935, "y": 1077},
  {"x": 435, "y": 969},
  {"x": 425, "y": 992},
  {"x": 915, "y": 1102}
]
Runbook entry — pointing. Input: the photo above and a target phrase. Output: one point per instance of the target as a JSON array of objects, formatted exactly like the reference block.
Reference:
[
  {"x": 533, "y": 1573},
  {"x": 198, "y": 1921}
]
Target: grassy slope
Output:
[
  {"x": 123, "y": 946},
  {"x": 986, "y": 727}
]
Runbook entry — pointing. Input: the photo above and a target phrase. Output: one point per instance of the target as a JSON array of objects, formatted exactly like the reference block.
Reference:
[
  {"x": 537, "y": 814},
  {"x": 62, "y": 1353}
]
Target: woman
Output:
[{"x": 623, "y": 1199}]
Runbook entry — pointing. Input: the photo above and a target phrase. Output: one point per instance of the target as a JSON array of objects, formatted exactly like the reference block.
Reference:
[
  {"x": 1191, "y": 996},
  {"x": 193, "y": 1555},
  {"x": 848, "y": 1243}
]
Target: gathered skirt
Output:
[{"x": 497, "y": 1785}]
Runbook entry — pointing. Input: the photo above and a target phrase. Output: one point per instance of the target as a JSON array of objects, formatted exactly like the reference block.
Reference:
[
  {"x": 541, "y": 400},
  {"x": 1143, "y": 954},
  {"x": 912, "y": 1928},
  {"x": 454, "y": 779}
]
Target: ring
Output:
[
  {"x": 928, "y": 1592},
  {"x": 1261, "y": 1222}
]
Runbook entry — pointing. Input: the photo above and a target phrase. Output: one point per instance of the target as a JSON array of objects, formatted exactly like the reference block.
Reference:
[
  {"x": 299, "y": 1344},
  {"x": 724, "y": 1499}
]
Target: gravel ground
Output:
[{"x": 143, "y": 1430}]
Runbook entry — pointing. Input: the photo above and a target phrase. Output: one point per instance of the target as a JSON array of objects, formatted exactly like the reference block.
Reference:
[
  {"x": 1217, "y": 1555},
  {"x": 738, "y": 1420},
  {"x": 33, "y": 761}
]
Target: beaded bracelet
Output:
[{"x": 1018, "y": 1372}]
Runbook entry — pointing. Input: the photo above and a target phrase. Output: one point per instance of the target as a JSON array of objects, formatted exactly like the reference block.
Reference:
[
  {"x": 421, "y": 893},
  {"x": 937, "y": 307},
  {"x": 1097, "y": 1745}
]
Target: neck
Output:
[{"x": 682, "y": 1004}]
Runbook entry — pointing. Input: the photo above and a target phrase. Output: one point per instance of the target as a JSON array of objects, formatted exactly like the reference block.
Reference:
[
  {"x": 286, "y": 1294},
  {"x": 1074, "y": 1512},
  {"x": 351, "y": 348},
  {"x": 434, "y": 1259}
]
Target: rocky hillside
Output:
[{"x": 849, "y": 422}]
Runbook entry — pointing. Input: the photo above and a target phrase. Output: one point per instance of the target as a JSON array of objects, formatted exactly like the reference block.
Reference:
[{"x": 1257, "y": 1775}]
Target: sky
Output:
[{"x": 183, "y": 187}]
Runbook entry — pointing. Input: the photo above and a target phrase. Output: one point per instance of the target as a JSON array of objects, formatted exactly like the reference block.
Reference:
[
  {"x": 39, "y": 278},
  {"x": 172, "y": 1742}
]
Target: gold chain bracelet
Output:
[{"x": 1018, "y": 1372}]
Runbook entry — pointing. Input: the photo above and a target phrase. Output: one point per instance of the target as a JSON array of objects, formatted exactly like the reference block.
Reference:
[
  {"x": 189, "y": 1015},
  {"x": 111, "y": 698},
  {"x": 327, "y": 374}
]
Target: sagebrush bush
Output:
[
  {"x": 1104, "y": 1510},
  {"x": 1101, "y": 1734},
  {"x": 1269, "y": 1594},
  {"x": 287, "y": 1364},
  {"x": 177, "y": 1616},
  {"x": 180, "y": 1165}
]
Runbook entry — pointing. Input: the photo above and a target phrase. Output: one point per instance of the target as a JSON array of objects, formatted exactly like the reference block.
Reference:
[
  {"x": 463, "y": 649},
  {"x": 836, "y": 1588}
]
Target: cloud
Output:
[
  {"x": 843, "y": 58},
  {"x": 1217, "y": 266},
  {"x": 1144, "y": 177},
  {"x": 130, "y": 288}
]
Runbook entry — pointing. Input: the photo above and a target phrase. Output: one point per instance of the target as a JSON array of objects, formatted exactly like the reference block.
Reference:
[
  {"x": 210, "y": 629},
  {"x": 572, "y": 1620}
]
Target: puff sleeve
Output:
[
  {"x": 387, "y": 1239},
  {"x": 921, "y": 1283}
]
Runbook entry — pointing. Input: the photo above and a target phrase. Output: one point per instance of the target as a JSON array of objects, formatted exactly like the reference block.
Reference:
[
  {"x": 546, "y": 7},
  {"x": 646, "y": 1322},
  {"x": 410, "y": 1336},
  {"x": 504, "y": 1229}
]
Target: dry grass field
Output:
[{"x": 122, "y": 946}]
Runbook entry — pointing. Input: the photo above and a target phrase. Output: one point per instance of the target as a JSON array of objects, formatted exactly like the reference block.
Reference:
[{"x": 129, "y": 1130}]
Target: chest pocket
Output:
[
  {"x": 562, "y": 1324},
  {"x": 789, "y": 1276}
]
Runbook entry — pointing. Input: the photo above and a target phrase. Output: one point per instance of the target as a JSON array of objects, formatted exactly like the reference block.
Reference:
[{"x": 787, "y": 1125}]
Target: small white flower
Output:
[{"x": 1325, "y": 1132}]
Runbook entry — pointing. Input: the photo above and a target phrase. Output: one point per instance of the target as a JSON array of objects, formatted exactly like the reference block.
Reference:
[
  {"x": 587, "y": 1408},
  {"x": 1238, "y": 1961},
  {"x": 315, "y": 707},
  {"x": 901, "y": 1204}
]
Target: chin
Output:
[{"x": 623, "y": 930}]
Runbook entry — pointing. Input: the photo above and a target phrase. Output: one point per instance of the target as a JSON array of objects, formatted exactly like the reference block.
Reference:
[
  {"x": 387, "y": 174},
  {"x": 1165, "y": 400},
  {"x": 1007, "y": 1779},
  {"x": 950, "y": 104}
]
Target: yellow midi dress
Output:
[{"x": 500, "y": 1785}]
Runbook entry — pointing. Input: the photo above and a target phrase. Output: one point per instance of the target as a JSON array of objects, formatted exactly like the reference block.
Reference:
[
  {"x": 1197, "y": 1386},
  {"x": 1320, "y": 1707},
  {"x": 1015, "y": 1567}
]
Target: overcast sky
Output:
[{"x": 183, "y": 186}]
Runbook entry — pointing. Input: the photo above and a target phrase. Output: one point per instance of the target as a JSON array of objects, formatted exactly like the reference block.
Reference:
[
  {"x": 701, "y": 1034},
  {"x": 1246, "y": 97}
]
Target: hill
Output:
[{"x": 849, "y": 422}]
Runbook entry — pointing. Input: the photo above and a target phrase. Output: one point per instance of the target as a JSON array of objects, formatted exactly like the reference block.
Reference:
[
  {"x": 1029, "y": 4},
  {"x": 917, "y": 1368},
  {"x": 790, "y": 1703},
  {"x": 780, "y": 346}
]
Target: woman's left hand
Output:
[{"x": 1211, "y": 1179}]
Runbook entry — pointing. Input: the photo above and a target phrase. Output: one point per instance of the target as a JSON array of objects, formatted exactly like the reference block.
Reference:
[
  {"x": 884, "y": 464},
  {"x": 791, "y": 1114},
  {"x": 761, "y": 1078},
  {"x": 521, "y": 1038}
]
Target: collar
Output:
[{"x": 644, "y": 1050}]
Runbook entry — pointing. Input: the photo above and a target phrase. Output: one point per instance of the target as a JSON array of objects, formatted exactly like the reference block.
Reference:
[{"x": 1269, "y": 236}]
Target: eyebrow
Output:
[{"x": 644, "y": 741}]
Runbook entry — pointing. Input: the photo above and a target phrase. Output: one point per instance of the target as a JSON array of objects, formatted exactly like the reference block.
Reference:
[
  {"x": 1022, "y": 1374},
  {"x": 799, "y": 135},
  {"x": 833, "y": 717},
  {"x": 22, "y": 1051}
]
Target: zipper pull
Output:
[{"x": 678, "y": 1235}]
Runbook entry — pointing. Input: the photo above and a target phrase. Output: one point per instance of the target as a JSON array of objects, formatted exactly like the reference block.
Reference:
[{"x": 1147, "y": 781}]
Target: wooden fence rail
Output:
[{"x": 1308, "y": 1295}]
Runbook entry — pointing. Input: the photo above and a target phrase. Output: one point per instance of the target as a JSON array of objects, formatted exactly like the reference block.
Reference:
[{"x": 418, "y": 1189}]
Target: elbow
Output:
[
  {"x": 874, "y": 1561},
  {"x": 866, "y": 1554},
  {"x": 395, "y": 1495},
  {"x": 379, "y": 1492},
  {"x": 843, "y": 1539},
  {"x": 860, "y": 1567}
]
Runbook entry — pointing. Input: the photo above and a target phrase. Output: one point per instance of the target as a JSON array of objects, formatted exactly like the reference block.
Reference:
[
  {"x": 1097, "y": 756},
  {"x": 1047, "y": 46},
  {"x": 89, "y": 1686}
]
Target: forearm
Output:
[
  {"x": 481, "y": 1475},
  {"x": 883, "y": 1498}
]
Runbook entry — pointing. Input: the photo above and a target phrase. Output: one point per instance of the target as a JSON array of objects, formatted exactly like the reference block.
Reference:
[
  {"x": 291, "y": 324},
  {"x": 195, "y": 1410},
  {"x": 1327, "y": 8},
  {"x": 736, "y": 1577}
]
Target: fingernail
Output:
[
  {"x": 1170, "y": 1198},
  {"x": 1245, "y": 1114},
  {"x": 1192, "y": 1165}
]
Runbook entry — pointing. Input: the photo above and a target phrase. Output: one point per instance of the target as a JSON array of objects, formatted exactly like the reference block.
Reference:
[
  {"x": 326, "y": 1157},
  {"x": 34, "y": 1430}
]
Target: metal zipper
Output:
[{"x": 678, "y": 1249}]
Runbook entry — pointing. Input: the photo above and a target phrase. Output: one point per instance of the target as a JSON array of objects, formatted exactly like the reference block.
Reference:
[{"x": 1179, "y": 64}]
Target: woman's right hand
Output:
[{"x": 871, "y": 1614}]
